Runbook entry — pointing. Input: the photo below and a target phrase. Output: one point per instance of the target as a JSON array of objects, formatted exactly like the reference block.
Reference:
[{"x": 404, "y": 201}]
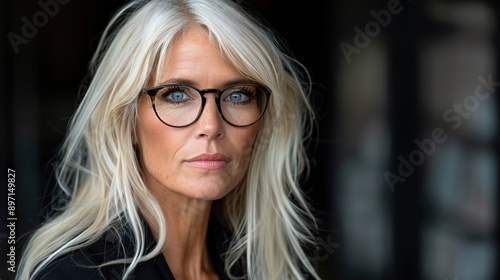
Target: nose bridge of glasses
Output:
[
  {"x": 216, "y": 99},
  {"x": 217, "y": 92},
  {"x": 210, "y": 90}
]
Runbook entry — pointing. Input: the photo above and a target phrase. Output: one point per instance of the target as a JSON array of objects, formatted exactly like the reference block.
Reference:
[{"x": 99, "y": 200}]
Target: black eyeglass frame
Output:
[{"x": 154, "y": 90}]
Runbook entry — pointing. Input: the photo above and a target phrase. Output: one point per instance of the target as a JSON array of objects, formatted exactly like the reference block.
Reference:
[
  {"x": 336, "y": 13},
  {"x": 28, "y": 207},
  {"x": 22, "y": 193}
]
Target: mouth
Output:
[{"x": 209, "y": 161}]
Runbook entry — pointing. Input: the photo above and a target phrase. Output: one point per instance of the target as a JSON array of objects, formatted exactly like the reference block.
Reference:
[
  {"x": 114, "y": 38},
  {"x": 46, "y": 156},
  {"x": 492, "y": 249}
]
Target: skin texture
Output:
[{"x": 186, "y": 188}]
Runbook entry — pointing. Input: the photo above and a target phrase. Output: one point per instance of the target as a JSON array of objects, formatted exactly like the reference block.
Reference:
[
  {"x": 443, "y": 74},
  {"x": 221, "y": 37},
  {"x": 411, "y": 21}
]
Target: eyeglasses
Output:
[{"x": 181, "y": 105}]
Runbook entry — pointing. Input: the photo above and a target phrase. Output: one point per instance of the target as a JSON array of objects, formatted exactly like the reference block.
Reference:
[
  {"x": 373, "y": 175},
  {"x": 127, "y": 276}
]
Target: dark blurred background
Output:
[{"x": 405, "y": 160}]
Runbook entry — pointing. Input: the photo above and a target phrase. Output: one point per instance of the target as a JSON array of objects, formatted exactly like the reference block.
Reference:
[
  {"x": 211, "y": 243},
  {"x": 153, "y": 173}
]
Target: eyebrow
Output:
[{"x": 182, "y": 81}]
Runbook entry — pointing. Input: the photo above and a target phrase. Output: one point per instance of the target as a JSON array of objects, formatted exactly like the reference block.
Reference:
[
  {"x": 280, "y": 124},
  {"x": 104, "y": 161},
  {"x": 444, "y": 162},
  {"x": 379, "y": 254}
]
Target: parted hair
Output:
[{"x": 98, "y": 172}]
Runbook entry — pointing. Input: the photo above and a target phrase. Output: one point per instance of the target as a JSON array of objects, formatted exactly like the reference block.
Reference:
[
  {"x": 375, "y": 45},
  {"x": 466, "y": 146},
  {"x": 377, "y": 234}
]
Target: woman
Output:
[{"x": 183, "y": 159}]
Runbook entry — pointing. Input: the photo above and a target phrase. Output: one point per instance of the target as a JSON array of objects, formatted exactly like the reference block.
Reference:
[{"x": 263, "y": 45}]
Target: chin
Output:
[
  {"x": 209, "y": 191},
  {"x": 210, "y": 186}
]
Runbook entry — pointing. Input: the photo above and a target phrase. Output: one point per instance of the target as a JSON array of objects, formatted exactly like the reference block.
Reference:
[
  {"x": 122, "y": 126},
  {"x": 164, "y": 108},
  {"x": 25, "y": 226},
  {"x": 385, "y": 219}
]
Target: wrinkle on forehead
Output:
[{"x": 194, "y": 56}]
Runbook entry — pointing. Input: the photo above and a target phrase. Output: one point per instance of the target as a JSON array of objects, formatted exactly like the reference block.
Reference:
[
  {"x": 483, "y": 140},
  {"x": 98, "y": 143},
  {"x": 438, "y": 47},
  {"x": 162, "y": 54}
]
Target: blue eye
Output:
[
  {"x": 177, "y": 96},
  {"x": 235, "y": 96}
]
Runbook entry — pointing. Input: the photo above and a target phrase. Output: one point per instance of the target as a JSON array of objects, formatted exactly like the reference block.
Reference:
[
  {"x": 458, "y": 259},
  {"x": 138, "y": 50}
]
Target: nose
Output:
[{"x": 210, "y": 123}]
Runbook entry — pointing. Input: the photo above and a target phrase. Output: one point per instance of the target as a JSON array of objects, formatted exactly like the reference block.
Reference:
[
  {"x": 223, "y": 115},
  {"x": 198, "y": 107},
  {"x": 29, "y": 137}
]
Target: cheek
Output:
[
  {"x": 244, "y": 143},
  {"x": 156, "y": 144},
  {"x": 146, "y": 128}
]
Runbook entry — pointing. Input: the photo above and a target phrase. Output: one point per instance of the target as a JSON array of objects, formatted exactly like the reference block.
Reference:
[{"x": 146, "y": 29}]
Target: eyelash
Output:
[{"x": 243, "y": 103}]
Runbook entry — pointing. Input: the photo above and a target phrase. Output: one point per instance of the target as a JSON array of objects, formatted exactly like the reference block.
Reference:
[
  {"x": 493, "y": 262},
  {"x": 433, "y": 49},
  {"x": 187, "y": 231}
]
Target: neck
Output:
[{"x": 186, "y": 249}]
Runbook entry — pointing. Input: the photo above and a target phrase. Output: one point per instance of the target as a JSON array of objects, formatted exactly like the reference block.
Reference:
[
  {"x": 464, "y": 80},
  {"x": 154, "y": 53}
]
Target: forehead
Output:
[{"x": 193, "y": 56}]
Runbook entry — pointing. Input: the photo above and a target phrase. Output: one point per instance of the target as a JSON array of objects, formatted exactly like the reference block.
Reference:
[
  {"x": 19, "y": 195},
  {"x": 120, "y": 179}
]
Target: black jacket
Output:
[{"x": 79, "y": 264}]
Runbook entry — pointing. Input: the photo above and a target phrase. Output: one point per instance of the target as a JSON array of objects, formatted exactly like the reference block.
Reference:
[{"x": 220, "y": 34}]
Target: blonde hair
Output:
[{"x": 99, "y": 174}]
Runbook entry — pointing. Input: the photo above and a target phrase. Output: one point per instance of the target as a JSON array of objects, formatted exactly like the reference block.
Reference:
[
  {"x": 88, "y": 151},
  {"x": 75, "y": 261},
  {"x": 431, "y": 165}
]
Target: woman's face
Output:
[{"x": 207, "y": 159}]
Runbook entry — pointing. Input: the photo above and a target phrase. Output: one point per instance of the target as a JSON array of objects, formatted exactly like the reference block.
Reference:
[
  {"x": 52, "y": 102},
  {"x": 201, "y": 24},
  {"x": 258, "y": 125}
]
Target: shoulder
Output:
[
  {"x": 86, "y": 263},
  {"x": 83, "y": 264},
  {"x": 78, "y": 265}
]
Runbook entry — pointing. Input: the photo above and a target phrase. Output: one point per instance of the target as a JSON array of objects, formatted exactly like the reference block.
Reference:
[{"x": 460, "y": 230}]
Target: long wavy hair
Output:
[{"x": 98, "y": 171}]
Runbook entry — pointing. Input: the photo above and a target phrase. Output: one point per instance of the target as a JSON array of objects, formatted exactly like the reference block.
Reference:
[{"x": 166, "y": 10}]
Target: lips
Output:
[{"x": 209, "y": 161}]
